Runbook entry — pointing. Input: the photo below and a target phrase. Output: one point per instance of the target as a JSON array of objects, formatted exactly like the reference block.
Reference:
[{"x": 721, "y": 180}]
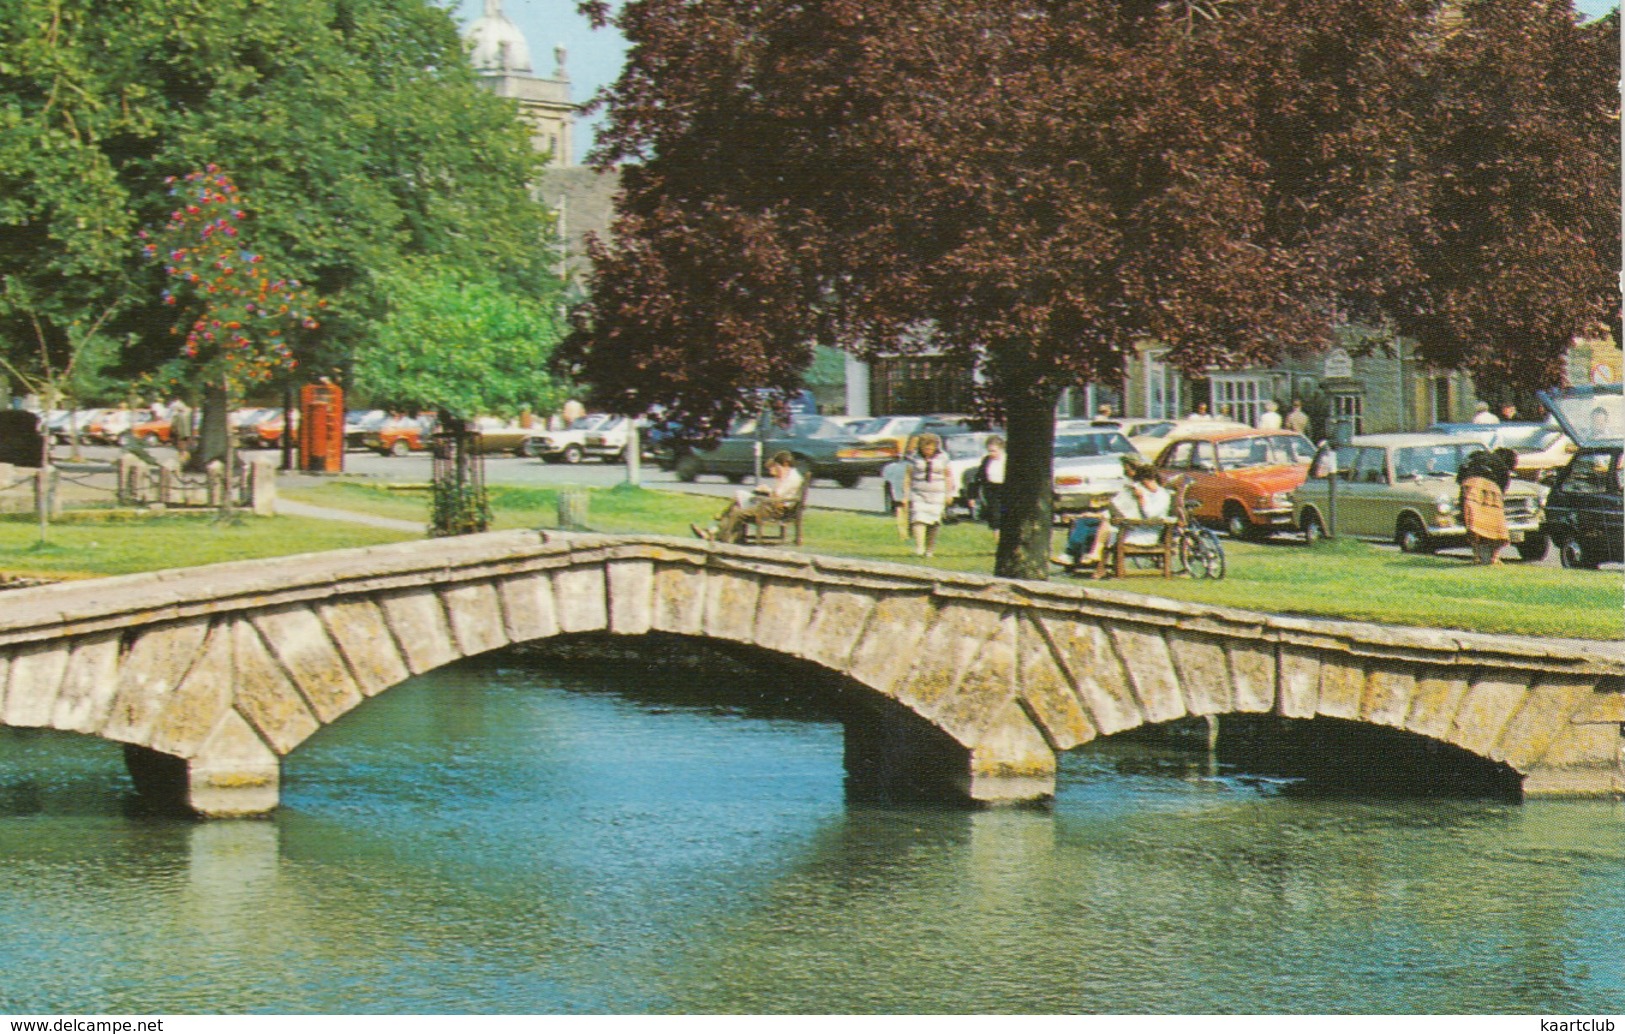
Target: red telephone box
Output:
[{"x": 321, "y": 428}]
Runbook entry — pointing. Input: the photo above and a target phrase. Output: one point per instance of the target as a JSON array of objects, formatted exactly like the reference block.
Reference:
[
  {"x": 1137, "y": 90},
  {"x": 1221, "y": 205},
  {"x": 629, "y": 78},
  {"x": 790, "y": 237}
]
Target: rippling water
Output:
[{"x": 498, "y": 838}]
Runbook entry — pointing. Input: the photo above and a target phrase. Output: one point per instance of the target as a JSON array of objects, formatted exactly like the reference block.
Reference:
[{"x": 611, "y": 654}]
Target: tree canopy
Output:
[
  {"x": 355, "y": 125},
  {"x": 1034, "y": 188}
]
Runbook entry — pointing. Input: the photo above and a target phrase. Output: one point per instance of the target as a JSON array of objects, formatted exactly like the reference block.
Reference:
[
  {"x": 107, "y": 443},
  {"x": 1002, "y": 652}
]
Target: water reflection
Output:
[{"x": 498, "y": 839}]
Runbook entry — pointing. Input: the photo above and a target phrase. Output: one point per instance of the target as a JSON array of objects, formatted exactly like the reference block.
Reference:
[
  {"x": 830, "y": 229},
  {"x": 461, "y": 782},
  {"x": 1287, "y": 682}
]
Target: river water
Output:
[{"x": 509, "y": 836}]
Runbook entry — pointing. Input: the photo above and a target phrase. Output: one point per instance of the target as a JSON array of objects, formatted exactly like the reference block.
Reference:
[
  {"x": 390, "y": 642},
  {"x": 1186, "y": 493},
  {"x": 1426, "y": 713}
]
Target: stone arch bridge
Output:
[{"x": 209, "y": 676}]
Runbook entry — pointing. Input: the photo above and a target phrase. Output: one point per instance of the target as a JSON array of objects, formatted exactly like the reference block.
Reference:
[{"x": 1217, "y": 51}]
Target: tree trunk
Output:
[
  {"x": 1028, "y": 501},
  {"x": 213, "y": 429}
]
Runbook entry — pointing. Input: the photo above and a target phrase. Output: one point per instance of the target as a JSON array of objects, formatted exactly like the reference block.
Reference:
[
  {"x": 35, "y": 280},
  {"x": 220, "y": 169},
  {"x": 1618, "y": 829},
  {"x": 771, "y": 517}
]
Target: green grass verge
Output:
[
  {"x": 91, "y": 546},
  {"x": 1344, "y": 579}
]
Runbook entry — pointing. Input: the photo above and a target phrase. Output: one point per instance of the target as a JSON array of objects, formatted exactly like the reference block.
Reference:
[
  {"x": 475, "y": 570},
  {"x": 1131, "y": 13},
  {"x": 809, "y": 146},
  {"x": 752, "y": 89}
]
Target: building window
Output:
[
  {"x": 1241, "y": 396},
  {"x": 1350, "y": 407},
  {"x": 1162, "y": 384},
  {"x": 907, "y": 385}
]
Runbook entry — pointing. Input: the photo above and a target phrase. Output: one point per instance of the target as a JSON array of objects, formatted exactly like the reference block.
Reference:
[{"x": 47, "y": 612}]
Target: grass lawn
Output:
[
  {"x": 89, "y": 546},
  {"x": 1345, "y": 579}
]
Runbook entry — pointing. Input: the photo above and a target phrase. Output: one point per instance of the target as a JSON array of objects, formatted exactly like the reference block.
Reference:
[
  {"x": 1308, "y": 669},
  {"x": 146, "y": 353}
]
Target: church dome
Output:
[{"x": 495, "y": 42}]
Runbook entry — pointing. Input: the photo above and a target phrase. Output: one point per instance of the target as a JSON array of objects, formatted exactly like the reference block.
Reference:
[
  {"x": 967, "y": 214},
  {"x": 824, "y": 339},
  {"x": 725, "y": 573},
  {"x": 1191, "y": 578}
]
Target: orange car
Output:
[
  {"x": 152, "y": 432},
  {"x": 1241, "y": 478}
]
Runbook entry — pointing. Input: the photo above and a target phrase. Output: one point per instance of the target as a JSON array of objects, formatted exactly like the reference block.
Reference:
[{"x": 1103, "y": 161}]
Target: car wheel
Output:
[
  {"x": 531, "y": 448},
  {"x": 736, "y": 479},
  {"x": 1411, "y": 537},
  {"x": 1236, "y": 524},
  {"x": 571, "y": 454},
  {"x": 400, "y": 447},
  {"x": 847, "y": 480},
  {"x": 1532, "y": 550},
  {"x": 1313, "y": 530},
  {"x": 687, "y": 468},
  {"x": 1574, "y": 556}
]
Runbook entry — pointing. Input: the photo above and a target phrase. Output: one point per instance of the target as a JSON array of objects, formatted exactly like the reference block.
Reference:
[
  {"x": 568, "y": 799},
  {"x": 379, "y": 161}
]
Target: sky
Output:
[{"x": 595, "y": 57}]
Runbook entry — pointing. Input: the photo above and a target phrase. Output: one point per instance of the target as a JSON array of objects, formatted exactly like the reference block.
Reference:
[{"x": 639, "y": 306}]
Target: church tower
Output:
[{"x": 501, "y": 58}]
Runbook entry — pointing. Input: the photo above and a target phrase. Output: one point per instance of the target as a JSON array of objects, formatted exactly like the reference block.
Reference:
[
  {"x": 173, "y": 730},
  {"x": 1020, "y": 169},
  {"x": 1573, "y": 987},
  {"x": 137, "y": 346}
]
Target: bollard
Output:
[{"x": 573, "y": 507}]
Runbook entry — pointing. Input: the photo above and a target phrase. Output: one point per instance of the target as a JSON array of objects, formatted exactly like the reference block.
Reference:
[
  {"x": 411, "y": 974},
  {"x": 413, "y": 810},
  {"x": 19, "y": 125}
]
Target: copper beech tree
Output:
[{"x": 1029, "y": 187}]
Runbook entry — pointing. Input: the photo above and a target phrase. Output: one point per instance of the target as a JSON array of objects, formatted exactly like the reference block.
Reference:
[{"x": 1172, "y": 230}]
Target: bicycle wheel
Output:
[{"x": 1212, "y": 552}]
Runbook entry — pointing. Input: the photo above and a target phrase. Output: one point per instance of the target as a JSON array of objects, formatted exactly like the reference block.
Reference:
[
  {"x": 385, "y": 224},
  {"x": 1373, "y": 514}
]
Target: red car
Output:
[{"x": 1243, "y": 479}]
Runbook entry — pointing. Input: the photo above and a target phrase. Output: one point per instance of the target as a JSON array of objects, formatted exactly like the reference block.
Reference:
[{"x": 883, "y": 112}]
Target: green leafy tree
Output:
[
  {"x": 465, "y": 347},
  {"x": 356, "y": 125}
]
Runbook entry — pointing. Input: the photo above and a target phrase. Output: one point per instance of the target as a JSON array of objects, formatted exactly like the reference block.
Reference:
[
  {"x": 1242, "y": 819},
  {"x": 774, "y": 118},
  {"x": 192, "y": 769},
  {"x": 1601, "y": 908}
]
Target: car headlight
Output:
[{"x": 1445, "y": 505}]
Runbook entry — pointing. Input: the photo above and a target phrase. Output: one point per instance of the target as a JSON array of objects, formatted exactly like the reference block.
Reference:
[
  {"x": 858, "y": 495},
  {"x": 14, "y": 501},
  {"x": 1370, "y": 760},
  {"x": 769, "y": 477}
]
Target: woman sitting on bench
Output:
[
  {"x": 1143, "y": 498},
  {"x": 768, "y": 501}
]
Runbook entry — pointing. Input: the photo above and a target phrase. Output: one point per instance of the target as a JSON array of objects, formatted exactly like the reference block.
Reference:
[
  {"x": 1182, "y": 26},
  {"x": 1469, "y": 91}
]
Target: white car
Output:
[
  {"x": 568, "y": 445},
  {"x": 608, "y": 440},
  {"x": 965, "y": 452},
  {"x": 1089, "y": 467}
]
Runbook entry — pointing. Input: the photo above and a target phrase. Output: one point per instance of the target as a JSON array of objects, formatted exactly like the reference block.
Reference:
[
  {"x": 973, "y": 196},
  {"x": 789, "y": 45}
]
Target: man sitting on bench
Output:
[{"x": 767, "y": 501}]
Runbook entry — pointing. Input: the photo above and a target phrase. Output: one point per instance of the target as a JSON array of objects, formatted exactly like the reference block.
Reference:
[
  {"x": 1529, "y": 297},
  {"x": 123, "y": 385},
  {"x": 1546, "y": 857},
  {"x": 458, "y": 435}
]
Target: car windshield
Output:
[
  {"x": 873, "y": 425},
  {"x": 1107, "y": 443},
  {"x": 1592, "y": 414},
  {"x": 1159, "y": 429},
  {"x": 817, "y": 427},
  {"x": 1416, "y": 462},
  {"x": 1280, "y": 450},
  {"x": 588, "y": 423}
]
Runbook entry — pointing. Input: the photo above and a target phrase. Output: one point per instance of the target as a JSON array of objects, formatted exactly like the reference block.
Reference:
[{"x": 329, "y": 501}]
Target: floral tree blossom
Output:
[{"x": 237, "y": 314}]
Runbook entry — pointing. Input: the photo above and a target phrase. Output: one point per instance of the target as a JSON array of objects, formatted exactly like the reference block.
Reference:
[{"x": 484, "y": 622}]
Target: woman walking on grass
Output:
[{"x": 928, "y": 486}]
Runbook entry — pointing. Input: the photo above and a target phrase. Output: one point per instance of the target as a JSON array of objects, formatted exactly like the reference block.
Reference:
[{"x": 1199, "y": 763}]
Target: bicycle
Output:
[{"x": 1201, "y": 554}]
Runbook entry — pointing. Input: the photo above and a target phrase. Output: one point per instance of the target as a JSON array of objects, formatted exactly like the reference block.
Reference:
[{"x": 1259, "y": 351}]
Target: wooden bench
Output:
[
  {"x": 775, "y": 530},
  {"x": 1114, "y": 559}
]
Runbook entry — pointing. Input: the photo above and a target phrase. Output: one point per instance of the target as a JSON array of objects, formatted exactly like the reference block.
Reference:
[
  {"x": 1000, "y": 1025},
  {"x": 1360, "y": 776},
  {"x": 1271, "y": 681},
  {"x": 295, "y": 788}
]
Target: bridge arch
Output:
[{"x": 211, "y": 676}]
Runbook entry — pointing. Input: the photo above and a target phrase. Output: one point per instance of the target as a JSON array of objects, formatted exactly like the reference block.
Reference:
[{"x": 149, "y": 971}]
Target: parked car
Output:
[
  {"x": 109, "y": 425},
  {"x": 152, "y": 432},
  {"x": 1089, "y": 468},
  {"x": 1585, "y": 518},
  {"x": 821, "y": 447},
  {"x": 608, "y": 440},
  {"x": 1402, "y": 488},
  {"x": 358, "y": 423},
  {"x": 1240, "y": 478},
  {"x": 1150, "y": 436},
  {"x": 568, "y": 445},
  {"x": 64, "y": 424},
  {"x": 1543, "y": 449},
  {"x": 400, "y": 436},
  {"x": 896, "y": 432},
  {"x": 245, "y": 425},
  {"x": 266, "y": 433}
]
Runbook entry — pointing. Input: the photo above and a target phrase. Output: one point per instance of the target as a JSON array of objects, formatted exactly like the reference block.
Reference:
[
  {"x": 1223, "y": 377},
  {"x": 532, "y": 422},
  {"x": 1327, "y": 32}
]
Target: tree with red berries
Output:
[{"x": 237, "y": 317}]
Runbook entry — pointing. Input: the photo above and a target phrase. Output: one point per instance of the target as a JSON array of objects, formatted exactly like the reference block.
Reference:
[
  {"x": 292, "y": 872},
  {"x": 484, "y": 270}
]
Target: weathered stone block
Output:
[
  {"x": 194, "y": 710},
  {"x": 892, "y": 639},
  {"x": 1434, "y": 705},
  {"x": 838, "y": 623},
  {"x": 1546, "y": 711},
  {"x": 476, "y": 617},
  {"x": 730, "y": 606},
  {"x": 419, "y": 623},
  {"x": 265, "y": 696},
  {"x": 1049, "y": 693},
  {"x": 152, "y": 667},
  {"x": 300, "y": 641},
  {"x": 1252, "y": 677},
  {"x": 1297, "y": 683},
  {"x": 35, "y": 680},
  {"x": 1342, "y": 687},
  {"x": 986, "y": 684},
  {"x": 234, "y": 773},
  {"x": 679, "y": 599},
  {"x": 1151, "y": 672},
  {"x": 782, "y": 612},
  {"x": 1010, "y": 762},
  {"x": 1583, "y": 746},
  {"x": 1087, "y": 655},
  {"x": 946, "y": 651},
  {"x": 527, "y": 607},
  {"x": 1204, "y": 672},
  {"x": 358, "y": 627},
  {"x": 88, "y": 685},
  {"x": 631, "y": 596},
  {"x": 1387, "y": 698},
  {"x": 580, "y": 593},
  {"x": 1490, "y": 704}
]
